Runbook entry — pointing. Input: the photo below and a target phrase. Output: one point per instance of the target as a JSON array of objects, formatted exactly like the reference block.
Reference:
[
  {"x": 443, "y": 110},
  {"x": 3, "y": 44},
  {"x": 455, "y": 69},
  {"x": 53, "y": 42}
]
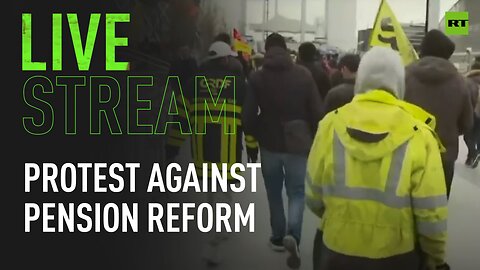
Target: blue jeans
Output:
[{"x": 277, "y": 169}]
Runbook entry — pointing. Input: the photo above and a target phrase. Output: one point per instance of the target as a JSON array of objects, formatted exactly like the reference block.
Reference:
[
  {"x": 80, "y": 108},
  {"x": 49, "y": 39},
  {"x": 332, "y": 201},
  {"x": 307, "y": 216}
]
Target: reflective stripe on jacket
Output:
[
  {"x": 209, "y": 112},
  {"x": 375, "y": 177}
]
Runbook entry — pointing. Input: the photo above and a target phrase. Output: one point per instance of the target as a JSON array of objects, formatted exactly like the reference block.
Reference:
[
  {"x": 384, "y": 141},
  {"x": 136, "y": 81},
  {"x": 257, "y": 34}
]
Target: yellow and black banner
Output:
[{"x": 388, "y": 32}]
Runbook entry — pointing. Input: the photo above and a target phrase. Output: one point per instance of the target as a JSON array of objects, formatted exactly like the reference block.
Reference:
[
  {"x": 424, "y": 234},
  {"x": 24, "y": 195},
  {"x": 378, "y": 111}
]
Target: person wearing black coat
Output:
[
  {"x": 306, "y": 58},
  {"x": 282, "y": 110},
  {"x": 434, "y": 84}
]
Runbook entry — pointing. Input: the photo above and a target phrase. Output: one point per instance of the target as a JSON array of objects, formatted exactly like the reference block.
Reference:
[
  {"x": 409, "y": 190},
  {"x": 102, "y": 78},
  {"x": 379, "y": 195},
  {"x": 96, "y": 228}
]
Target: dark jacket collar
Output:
[
  {"x": 277, "y": 58},
  {"x": 348, "y": 81}
]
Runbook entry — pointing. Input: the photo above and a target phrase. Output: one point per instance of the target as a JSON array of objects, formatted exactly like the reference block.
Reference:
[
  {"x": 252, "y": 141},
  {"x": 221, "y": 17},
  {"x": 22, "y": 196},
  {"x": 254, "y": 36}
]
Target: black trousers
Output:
[
  {"x": 449, "y": 171},
  {"x": 326, "y": 259},
  {"x": 472, "y": 139}
]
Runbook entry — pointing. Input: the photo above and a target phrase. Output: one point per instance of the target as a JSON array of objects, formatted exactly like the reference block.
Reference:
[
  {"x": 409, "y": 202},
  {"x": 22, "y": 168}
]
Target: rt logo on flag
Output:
[{"x": 456, "y": 23}]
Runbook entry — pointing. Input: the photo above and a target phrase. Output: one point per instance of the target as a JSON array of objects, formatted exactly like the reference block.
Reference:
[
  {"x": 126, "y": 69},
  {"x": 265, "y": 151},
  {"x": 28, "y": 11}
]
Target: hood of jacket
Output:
[
  {"x": 277, "y": 58},
  {"x": 381, "y": 68},
  {"x": 381, "y": 125},
  {"x": 432, "y": 70}
]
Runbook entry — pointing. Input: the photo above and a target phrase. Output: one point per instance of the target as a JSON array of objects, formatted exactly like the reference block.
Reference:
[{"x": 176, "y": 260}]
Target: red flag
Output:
[
  {"x": 237, "y": 35},
  {"x": 241, "y": 45}
]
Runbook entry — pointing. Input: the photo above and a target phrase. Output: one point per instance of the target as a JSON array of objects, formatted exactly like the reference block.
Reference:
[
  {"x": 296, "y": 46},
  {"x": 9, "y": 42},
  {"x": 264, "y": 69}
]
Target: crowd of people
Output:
[{"x": 369, "y": 147}]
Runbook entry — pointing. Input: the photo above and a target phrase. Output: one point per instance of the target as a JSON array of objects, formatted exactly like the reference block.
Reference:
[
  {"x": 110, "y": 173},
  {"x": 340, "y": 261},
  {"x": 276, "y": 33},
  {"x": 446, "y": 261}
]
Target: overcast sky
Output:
[{"x": 406, "y": 10}]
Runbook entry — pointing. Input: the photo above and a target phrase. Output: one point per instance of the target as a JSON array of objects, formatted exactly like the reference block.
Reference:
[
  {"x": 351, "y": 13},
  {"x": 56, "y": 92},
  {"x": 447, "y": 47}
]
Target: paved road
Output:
[{"x": 250, "y": 251}]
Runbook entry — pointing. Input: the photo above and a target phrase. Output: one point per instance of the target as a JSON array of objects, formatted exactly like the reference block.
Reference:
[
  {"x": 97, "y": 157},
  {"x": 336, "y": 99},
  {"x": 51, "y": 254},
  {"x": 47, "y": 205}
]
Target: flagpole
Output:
[{"x": 426, "y": 17}]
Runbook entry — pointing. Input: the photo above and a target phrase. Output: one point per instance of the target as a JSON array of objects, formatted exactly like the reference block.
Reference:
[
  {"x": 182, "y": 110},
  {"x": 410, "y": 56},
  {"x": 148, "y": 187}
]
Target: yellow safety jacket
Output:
[
  {"x": 425, "y": 117},
  {"x": 375, "y": 178},
  {"x": 214, "y": 115}
]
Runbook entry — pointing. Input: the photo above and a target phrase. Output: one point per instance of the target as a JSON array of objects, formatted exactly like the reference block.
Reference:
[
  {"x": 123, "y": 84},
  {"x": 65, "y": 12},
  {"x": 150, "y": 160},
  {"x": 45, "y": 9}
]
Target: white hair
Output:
[{"x": 381, "y": 68}]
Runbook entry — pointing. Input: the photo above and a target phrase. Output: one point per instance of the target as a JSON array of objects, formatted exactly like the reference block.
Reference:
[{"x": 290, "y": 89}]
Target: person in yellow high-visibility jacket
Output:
[{"x": 375, "y": 178}]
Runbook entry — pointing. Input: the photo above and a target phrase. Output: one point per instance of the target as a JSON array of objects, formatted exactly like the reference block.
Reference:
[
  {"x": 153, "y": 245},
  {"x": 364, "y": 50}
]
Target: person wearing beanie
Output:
[
  {"x": 275, "y": 40},
  {"x": 290, "y": 108},
  {"x": 375, "y": 180},
  {"x": 437, "y": 44},
  {"x": 306, "y": 57},
  {"x": 434, "y": 84}
]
